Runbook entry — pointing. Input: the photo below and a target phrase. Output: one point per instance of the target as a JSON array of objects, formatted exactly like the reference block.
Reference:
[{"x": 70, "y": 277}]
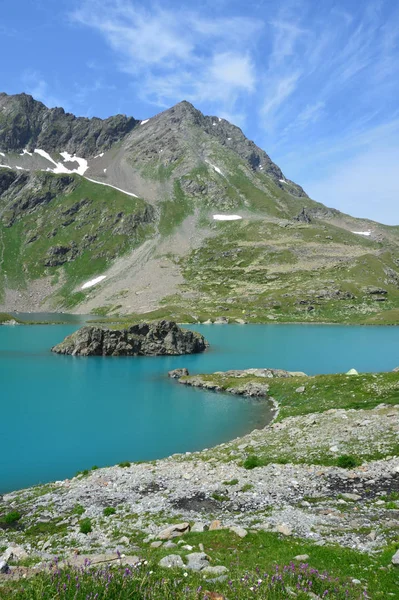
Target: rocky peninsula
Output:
[{"x": 144, "y": 339}]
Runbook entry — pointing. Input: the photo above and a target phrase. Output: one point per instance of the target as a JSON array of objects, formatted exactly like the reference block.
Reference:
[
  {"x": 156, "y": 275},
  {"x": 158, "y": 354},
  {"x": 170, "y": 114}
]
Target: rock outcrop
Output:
[{"x": 143, "y": 339}]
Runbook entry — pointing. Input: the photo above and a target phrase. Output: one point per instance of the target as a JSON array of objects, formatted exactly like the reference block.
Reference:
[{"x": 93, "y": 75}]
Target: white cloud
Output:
[
  {"x": 174, "y": 57},
  {"x": 38, "y": 87}
]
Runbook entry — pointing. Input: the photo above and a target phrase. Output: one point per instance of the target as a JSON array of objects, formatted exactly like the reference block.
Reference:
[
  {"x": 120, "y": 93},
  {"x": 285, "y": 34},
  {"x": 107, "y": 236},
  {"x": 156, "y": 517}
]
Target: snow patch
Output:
[
  {"x": 92, "y": 282},
  {"x": 59, "y": 167},
  {"x": 21, "y": 169},
  {"x": 362, "y": 232},
  {"x": 214, "y": 123},
  {"x": 5, "y": 167},
  {"x": 99, "y": 155},
  {"x": 215, "y": 168},
  {"x": 25, "y": 151},
  {"x": 144, "y": 122},
  {"x": 112, "y": 186},
  {"x": 219, "y": 119},
  {"x": 227, "y": 217},
  {"x": 82, "y": 162},
  {"x": 229, "y": 139},
  {"x": 105, "y": 170},
  {"x": 2, "y": 154},
  {"x": 283, "y": 181}
]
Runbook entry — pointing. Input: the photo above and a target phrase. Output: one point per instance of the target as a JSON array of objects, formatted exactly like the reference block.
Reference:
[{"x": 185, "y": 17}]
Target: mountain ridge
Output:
[{"x": 131, "y": 204}]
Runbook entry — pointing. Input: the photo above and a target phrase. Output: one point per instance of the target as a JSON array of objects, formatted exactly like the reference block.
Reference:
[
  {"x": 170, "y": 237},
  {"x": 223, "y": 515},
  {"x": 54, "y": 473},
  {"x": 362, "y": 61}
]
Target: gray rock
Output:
[
  {"x": 156, "y": 544},
  {"x": 197, "y": 561},
  {"x": 349, "y": 496},
  {"x": 143, "y": 339},
  {"x": 169, "y": 545},
  {"x": 15, "y": 552},
  {"x": 177, "y": 373},
  {"x": 221, "y": 321},
  {"x": 215, "y": 571},
  {"x": 174, "y": 531},
  {"x": 171, "y": 561},
  {"x": 198, "y": 527},
  {"x": 4, "y": 568},
  {"x": 284, "y": 529},
  {"x": 240, "y": 531},
  {"x": 301, "y": 557},
  {"x": 300, "y": 389},
  {"x": 395, "y": 559}
]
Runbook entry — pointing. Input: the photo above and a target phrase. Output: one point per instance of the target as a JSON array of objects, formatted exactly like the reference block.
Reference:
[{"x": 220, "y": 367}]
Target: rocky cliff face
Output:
[
  {"x": 26, "y": 123},
  {"x": 144, "y": 339}
]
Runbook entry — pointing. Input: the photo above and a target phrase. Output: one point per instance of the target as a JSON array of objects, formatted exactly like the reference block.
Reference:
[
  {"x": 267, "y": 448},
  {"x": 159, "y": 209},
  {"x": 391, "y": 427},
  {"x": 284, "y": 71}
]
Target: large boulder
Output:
[{"x": 143, "y": 339}]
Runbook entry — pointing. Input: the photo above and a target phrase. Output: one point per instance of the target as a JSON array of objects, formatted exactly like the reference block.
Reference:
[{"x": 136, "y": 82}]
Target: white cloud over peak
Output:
[{"x": 177, "y": 55}]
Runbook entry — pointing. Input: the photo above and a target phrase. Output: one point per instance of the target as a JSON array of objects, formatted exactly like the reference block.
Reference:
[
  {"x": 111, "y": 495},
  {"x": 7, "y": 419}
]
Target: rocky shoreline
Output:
[
  {"x": 283, "y": 479},
  {"x": 143, "y": 339}
]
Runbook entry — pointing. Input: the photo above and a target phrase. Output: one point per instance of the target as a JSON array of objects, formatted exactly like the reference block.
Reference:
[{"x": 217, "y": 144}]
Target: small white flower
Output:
[
  {"x": 259, "y": 581},
  {"x": 252, "y": 589},
  {"x": 146, "y": 562},
  {"x": 151, "y": 572},
  {"x": 185, "y": 574}
]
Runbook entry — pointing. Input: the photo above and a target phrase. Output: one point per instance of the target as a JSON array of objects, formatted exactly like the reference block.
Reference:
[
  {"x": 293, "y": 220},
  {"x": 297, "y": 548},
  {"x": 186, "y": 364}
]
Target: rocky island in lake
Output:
[{"x": 143, "y": 339}]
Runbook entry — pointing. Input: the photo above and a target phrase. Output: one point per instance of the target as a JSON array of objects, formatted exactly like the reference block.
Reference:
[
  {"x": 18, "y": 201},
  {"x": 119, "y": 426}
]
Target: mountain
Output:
[{"x": 118, "y": 216}]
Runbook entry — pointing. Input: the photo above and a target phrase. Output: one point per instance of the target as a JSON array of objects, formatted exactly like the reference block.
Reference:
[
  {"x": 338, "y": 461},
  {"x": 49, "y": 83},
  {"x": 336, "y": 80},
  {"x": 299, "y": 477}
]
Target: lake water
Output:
[{"x": 61, "y": 414}]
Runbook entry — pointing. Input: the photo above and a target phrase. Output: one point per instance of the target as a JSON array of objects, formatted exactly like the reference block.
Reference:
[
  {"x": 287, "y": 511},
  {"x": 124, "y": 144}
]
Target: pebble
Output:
[
  {"x": 156, "y": 544},
  {"x": 240, "y": 531},
  {"x": 353, "y": 497}
]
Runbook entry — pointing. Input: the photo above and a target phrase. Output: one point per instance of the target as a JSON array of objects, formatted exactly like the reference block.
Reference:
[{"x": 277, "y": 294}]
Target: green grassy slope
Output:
[{"x": 71, "y": 238}]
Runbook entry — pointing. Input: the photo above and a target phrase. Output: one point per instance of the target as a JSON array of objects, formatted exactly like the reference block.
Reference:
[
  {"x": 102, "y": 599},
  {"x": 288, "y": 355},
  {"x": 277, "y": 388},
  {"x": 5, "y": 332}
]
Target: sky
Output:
[{"x": 314, "y": 83}]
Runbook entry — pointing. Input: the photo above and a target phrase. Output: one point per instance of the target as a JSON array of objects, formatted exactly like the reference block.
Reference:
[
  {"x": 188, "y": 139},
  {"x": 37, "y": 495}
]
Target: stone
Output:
[
  {"x": 46, "y": 545},
  {"x": 4, "y": 568},
  {"x": 198, "y": 527},
  {"x": 301, "y": 557},
  {"x": 144, "y": 339},
  {"x": 353, "y": 497},
  {"x": 169, "y": 545},
  {"x": 215, "y": 571},
  {"x": 196, "y": 561},
  {"x": 215, "y": 525},
  {"x": 124, "y": 540},
  {"x": 300, "y": 389},
  {"x": 171, "y": 561},
  {"x": 334, "y": 449},
  {"x": 352, "y": 372},
  {"x": 156, "y": 544},
  {"x": 395, "y": 370},
  {"x": 356, "y": 581},
  {"x": 395, "y": 559},
  {"x": 284, "y": 529},
  {"x": 240, "y": 531},
  {"x": 188, "y": 547},
  {"x": 221, "y": 321},
  {"x": 214, "y": 595},
  {"x": 174, "y": 531},
  {"x": 15, "y": 552},
  {"x": 241, "y": 321},
  {"x": 177, "y": 373}
]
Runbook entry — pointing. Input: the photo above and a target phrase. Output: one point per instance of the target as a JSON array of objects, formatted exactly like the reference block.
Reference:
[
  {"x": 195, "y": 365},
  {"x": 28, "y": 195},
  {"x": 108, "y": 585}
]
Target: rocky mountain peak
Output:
[{"x": 26, "y": 123}]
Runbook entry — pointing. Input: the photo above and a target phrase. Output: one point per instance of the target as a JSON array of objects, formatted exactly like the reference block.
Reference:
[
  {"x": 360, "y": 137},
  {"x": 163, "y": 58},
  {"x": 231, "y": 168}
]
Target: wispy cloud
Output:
[
  {"x": 35, "y": 84},
  {"x": 189, "y": 57}
]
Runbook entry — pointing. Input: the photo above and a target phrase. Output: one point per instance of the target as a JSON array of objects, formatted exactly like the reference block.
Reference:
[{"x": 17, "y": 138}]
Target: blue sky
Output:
[{"x": 314, "y": 83}]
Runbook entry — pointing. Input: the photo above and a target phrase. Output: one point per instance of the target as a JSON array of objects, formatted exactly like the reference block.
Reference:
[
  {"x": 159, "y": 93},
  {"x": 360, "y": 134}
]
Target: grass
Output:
[
  {"x": 322, "y": 392},
  {"x": 262, "y": 561},
  {"x": 81, "y": 219}
]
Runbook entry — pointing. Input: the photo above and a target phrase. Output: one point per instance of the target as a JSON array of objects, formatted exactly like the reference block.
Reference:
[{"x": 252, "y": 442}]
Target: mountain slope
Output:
[{"x": 154, "y": 244}]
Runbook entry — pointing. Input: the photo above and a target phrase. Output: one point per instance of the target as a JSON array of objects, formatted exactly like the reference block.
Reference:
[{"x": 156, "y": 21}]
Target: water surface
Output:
[{"x": 61, "y": 414}]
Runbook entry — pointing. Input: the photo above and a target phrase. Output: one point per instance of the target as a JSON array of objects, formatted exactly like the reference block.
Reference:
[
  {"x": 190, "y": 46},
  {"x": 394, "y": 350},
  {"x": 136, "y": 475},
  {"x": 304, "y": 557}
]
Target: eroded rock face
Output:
[{"x": 143, "y": 339}]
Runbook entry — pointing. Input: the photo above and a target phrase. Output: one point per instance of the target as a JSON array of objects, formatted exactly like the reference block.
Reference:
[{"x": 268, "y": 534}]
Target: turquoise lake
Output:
[{"x": 62, "y": 414}]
